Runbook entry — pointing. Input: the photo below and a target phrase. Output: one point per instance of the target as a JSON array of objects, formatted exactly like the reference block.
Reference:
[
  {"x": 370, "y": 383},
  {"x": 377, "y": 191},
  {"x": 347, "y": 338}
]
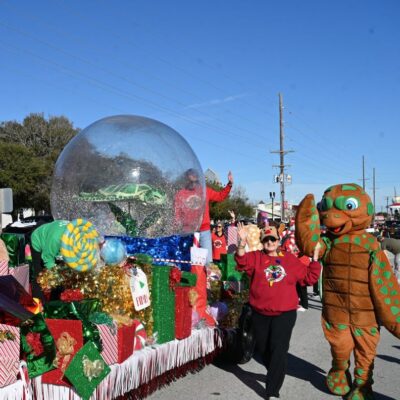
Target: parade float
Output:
[{"x": 128, "y": 303}]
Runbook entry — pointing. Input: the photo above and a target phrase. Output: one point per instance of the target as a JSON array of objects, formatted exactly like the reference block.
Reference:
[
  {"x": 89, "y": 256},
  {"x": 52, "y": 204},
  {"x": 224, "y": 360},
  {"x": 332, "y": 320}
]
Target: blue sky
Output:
[{"x": 212, "y": 70}]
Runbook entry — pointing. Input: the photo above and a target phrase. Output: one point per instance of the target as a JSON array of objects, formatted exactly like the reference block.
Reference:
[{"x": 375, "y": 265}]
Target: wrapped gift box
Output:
[
  {"x": 163, "y": 301},
  {"x": 4, "y": 267},
  {"x": 109, "y": 340},
  {"x": 68, "y": 338},
  {"x": 37, "y": 345},
  {"x": 81, "y": 310},
  {"x": 183, "y": 307},
  {"x": 183, "y": 312},
  {"x": 86, "y": 370},
  {"x": 126, "y": 341},
  {"x": 9, "y": 354},
  {"x": 140, "y": 335},
  {"x": 228, "y": 268},
  {"x": 21, "y": 274},
  {"x": 118, "y": 342},
  {"x": 15, "y": 244},
  {"x": 232, "y": 239}
]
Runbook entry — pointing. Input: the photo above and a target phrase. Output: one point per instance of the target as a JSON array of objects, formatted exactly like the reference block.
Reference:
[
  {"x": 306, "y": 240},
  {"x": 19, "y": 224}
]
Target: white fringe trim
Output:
[{"x": 143, "y": 366}]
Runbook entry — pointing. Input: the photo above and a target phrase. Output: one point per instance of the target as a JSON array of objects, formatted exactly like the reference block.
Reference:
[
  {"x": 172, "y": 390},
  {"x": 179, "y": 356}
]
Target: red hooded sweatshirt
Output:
[
  {"x": 273, "y": 280},
  {"x": 213, "y": 195}
]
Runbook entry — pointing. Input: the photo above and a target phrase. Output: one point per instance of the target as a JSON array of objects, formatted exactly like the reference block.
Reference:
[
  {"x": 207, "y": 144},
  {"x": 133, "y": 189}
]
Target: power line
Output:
[{"x": 112, "y": 73}]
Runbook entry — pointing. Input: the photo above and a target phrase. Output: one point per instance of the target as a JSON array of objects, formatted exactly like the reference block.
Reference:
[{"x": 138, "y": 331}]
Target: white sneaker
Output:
[{"x": 301, "y": 309}]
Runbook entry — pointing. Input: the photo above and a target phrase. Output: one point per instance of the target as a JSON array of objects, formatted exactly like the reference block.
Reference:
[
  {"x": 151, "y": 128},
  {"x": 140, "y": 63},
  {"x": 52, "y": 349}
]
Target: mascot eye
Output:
[{"x": 351, "y": 203}]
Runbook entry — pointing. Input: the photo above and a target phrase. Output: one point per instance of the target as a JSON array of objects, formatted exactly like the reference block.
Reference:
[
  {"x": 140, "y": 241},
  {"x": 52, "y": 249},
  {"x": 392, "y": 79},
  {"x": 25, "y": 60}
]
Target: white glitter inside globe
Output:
[{"x": 130, "y": 175}]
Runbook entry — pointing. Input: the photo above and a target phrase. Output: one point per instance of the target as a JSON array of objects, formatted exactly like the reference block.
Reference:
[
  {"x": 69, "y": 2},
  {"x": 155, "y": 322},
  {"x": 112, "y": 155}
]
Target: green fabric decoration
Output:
[
  {"x": 15, "y": 244},
  {"x": 47, "y": 240},
  {"x": 143, "y": 259},
  {"x": 38, "y": 364},
  {"x": 149, "y": 220},
  {"x": 77, "y": 310},
  {"x": 163, "y": 301},
  {"x": 228, "y": 268},
  {"x": 86, "y": 370},
  {"x": 101, "y": 318},
  {"x": 188, "y": 279},
  {"x": 125, "y": 219}
]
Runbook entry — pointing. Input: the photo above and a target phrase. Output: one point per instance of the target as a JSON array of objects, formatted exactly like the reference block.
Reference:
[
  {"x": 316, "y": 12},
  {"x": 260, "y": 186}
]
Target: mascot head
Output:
[{"x": 345, "y": 208}]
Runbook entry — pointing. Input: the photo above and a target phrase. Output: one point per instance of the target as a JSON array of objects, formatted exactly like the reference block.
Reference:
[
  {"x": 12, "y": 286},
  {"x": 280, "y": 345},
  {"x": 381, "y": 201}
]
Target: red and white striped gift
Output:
[
  {"x": 4, "y": 267},
  {"x": 21, "y": 274},
  {"x": 232, "y": 239},
  {"x": 140, "y": 335},
  {"x": 109, "y": 339},
  {"x": 9, "y": 354}
]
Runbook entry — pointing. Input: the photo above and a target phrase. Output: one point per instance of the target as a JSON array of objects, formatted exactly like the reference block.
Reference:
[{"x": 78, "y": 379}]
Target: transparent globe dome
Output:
[{"x": 130, "y": 175}]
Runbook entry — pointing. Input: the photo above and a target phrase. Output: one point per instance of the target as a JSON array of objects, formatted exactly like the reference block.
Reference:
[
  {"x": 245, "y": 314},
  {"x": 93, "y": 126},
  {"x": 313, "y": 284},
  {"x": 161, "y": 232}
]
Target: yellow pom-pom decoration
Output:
[
  {"x": 253, "y": 237},
  {"x": 79, "y": 245}
]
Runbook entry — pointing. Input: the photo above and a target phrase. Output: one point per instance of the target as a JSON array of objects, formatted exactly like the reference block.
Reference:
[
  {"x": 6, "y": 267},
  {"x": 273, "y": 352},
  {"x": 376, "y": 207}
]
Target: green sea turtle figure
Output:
[{"x": 127, "y": 192}]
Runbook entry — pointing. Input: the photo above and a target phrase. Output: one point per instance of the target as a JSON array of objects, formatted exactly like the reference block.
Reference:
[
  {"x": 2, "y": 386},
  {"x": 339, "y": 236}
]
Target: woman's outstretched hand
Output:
[{"x": 242, "y": 233}]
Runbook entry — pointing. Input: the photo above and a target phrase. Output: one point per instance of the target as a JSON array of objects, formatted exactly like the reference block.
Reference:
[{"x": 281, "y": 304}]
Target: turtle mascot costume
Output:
[{"x": 360, "y": 291}]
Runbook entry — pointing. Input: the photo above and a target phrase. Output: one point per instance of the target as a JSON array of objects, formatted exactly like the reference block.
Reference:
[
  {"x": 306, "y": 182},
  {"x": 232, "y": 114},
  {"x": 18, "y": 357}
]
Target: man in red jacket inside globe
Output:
[{"x": 186, "y": 212}]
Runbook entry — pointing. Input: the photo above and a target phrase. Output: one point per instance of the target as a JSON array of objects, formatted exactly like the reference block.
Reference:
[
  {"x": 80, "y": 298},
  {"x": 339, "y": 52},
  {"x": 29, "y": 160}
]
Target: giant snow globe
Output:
[{"x": 130, "y": 175}]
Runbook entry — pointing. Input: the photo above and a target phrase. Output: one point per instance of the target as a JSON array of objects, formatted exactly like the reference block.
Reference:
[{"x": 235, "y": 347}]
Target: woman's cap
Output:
[{"x": 269, "y": 231}]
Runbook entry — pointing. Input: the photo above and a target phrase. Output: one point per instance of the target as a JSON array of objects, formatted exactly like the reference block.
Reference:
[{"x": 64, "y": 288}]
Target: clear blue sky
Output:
[{"x": 212, "y": 70}]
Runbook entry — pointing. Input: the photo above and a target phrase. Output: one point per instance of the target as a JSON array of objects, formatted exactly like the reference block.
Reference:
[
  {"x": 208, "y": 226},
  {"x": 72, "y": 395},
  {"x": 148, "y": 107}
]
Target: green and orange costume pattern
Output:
[{"x": 360, "y": 291}]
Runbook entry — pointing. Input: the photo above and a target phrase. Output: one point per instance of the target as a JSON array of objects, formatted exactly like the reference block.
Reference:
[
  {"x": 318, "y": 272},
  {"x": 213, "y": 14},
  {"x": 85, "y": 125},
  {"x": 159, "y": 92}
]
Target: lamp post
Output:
[{"x": 272, "y": 197}]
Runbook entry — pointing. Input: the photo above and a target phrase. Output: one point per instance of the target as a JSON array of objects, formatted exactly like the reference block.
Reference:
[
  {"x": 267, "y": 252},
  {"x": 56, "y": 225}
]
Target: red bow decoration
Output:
[
  {"x": 174, "y": 277},
  {"x": 33, "y": 340},
  {"x": 71, "y": 295}
]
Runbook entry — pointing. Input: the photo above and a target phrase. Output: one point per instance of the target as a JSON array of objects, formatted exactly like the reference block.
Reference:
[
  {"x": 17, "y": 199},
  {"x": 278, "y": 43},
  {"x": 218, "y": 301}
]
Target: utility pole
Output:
[
  {"x": 281, "y": 166},
  {"x": 387, "y": 205},
  {"x": 363, "y": 170},
  {"x": 363, "y": 174}
]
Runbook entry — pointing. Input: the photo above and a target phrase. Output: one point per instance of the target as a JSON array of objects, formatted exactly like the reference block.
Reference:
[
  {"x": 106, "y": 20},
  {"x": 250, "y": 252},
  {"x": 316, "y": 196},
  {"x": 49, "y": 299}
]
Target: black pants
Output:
[
  {"x": 273, "y": 336},
  {"x": 303, "y": 296},
  {"x": 37, "y": 266}
]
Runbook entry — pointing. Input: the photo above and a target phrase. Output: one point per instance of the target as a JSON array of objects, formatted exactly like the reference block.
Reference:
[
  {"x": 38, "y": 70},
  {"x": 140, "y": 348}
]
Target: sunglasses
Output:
[
  {"x": 270, "y": 239},
  {"x": 219, "y": 226}
]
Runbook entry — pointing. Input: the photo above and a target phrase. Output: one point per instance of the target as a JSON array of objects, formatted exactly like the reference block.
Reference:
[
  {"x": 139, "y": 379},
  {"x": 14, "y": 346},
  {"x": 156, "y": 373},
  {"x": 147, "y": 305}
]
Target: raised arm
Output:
[{"x": 308, "y": 229}]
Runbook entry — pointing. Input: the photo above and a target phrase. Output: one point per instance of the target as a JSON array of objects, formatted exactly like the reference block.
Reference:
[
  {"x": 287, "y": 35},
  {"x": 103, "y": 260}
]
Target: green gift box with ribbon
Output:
[
  {"x": 86, "y": 370},
  {"x": 227, "y": 266},
  {"x": 15, "y": 244},
  {"x": 37, "y": 345},
  {"x": 163, "y": 300},
  {"x": 81, "y": 310}
]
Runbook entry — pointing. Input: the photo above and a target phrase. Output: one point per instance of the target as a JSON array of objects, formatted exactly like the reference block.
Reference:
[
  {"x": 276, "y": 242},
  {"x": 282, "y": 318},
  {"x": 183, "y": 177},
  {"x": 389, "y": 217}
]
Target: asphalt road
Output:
[{"x": 308, "y": 362}]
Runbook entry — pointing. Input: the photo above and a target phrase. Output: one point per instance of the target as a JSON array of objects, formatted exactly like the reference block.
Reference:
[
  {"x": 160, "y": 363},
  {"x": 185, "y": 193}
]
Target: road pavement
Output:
[{"x": 308, "y": 362}]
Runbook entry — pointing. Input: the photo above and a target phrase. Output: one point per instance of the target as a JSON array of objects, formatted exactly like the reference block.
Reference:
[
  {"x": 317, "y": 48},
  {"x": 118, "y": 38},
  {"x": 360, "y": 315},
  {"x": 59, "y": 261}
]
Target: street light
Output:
[{"x": 272, "y": 197}]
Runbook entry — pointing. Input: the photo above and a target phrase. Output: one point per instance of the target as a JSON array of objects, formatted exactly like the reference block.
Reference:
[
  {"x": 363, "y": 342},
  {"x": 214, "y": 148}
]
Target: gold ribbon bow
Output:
[
  {"x": 122, "y": 319},
  {"x": 65, "y": 349},
  {"x": 92, "y": 369},
  {"x": 6, "y": 335}
]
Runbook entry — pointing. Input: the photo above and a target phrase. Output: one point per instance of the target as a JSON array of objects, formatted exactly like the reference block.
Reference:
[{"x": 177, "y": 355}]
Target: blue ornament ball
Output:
[{"x": 113, "y": 252}]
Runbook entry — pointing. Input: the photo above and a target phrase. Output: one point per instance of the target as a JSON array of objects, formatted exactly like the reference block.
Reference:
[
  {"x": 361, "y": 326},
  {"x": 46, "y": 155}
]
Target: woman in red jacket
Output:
[
  {"x": 273, "y": 298},
  {"x": 218, "y": 243}
]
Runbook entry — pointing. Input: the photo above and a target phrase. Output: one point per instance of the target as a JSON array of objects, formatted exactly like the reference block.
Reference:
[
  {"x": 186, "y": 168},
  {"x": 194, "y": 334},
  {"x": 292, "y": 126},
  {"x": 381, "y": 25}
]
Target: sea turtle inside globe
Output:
[{"x": 130, "y": 175}]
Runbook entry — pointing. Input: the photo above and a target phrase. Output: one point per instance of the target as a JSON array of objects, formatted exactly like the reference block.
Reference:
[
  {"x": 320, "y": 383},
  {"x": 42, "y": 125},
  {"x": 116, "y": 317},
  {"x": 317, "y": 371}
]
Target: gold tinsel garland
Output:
[{"x": 109, "y": 284}]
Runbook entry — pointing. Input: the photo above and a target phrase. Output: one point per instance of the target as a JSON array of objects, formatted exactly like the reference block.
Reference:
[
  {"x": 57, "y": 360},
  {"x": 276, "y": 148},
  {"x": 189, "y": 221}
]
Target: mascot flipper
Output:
[
  {"x": 308, "y": 229},
  {"x": 385, "y": 292}
]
